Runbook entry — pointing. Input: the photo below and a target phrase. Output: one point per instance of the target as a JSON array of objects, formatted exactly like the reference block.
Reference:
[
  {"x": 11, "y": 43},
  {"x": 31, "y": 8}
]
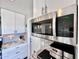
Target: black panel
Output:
[{"x": 65, "y": 25}]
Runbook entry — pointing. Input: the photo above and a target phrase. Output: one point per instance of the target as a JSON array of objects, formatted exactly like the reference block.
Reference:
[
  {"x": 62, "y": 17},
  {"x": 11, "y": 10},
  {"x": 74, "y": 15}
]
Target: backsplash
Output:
[
  {"x": 13, "y": 38},
  {"x": 9, "y": 38}
]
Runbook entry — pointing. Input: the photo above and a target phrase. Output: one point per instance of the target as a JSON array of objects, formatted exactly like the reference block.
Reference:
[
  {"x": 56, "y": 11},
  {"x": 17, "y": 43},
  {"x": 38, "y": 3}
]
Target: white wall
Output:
[
  {"x": 20, "y": 6},
  {"x": 60, "y": 3}
]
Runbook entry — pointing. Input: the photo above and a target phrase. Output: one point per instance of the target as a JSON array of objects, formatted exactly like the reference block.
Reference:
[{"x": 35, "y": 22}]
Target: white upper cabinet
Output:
[
  {"x": 42, "y": 7},
  {"x": 49, "y": 4},
  {"x": 7, "y": 21},
  {"x": 20, "y": 23},
  {"x": 37, "y": 8},
  {"x": 12, "y": 22}
]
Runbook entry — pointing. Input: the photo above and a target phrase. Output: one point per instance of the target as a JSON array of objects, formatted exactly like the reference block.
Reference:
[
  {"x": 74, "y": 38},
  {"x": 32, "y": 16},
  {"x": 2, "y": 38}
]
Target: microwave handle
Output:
[{"x": 54, "y": 25}]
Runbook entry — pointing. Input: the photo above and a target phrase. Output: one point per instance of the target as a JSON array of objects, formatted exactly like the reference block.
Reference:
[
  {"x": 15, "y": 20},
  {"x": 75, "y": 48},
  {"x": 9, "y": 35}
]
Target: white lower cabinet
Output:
[
  {"x": 22, "y": 51},
  {"x": 16, "y": 52},
  {"x": 4, "y": 57},
  {"x": 8, "y": 53},
  {"x": 18, "y": 57},
  {"x": 68, "y": 56},
  {"x": 42, "y": 43},
  {"x": 36, "y": 44}
]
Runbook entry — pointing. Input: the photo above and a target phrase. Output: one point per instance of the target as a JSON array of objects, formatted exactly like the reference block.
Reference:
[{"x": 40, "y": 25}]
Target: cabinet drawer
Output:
[
  {"x": 8, "y": 53},
  {"x": 56, "y": 51},
  {"x": 24, "y": 50},
  {"x": 67, "y": 55},
  {"x": 11, "y": 52},
  {"x": 24, "y": 54},
  {"x": 18, "y": 49},
  {"x": 66, "y": 58},
  {"x": 8, "y": 57},
  {"x": 0, "y": 57},
  {"x": 16, "y": 57},
  {"x": 21, "y": 49},
  {"x": 55, "y": 55},
  {"x": 4, "y": 57},
  {"x": 19, "y": 56}
]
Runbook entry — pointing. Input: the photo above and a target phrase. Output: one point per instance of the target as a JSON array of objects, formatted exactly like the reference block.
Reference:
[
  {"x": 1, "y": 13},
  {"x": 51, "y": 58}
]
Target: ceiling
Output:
[{"x": 21, "y": 6}]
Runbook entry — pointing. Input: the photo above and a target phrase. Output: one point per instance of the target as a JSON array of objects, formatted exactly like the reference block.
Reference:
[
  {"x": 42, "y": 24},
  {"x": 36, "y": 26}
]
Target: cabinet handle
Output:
[
  {"x": 54, "y": 50},
  {"x": 17, "y": 52},
  {"x": 17, "y": 47}
]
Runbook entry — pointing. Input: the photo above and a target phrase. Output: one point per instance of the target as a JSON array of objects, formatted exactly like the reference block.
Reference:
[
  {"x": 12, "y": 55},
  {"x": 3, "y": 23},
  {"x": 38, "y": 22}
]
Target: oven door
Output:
[{"x": 69, "y": 56}]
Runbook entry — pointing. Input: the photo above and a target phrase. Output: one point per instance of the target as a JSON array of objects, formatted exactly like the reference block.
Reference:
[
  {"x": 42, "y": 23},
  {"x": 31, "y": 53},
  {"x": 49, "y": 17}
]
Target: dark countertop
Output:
[{"x": 64, "y": 47}]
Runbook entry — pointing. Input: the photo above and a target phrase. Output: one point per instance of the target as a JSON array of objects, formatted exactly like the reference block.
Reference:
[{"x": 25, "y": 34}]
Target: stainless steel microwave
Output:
[
  {"x": 43, "y": 27},
  {"x": 62, "y": 28}
]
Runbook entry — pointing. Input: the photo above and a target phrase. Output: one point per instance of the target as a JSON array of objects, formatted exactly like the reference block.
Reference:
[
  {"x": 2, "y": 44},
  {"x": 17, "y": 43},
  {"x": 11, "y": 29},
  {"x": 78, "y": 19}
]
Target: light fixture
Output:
[
  {"x": 59, "y": 12},
  {"x": 12, "y": 0}
]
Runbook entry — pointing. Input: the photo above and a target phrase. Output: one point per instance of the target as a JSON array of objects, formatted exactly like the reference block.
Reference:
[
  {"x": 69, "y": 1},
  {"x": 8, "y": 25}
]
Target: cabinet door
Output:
[
  {"x": 8, "y": 53},
  {"x": 37, "y": 10},
  {"x": 66, "y": 58},
  {"x": 17, "y": 57},
  {"x": 5, "y": 57},
  {"x": 49, "y": 5},
  {"x": 8, "y": 21},
  {"x": 35, "y": 44},
  {"x": 20, "y": 23},
  {"x": 21, "y": 51},
  {"x": 42, "y": 43},
  {"x": 24, "y": 52},
  {"x": 11, "y": 52}
]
